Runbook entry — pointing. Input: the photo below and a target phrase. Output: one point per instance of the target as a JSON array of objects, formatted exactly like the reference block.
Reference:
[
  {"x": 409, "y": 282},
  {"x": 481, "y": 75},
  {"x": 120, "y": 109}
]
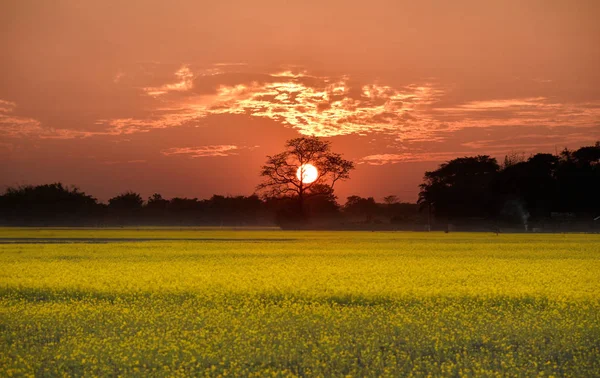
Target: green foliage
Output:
[{"x": 274, "y": 303}]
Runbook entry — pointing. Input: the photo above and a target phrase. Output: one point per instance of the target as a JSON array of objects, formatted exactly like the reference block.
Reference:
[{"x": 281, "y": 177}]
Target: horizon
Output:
[
  {"x": 521, "y": 157},
  {"x": 188, "y": 99}
]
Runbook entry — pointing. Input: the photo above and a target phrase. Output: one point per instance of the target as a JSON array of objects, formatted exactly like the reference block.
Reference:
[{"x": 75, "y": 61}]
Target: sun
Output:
[{"x": 307, "y": 173}]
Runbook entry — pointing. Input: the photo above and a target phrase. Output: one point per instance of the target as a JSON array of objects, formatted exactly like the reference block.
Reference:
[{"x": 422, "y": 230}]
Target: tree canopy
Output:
[
  {"x": 536, "y": 187},
  {"x": 280, "y": 171}
]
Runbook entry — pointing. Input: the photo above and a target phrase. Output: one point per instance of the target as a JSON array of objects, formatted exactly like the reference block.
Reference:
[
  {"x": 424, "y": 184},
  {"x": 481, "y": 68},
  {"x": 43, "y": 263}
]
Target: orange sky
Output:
[{"x": 187, "y": 97}]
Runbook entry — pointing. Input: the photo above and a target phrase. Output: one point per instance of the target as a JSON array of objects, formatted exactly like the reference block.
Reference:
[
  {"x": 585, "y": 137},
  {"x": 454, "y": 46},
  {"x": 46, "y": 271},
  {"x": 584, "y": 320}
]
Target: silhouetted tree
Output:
[
  {"x": 323, "y": 205},
  {"x": 361, "y": 207},
  {"x": 460, "y": 187},
  {"x": 156, "y": 209},
  {"x": 391, "y": 199},
  {"x": 156, "y": 201},
  {"x": 522, "y": 191},
  {"x": 185, "y": 210},
  {"x": 527, "y": 188},
  {"x": 126, "y": 207},
  {"x": 280, "y": 180},
  {"x": 402, "y": 212},
  {"x": 47, "y": 204},
  {"x": 578, "y": 177},
  {"x": 126, "y": 201},
  {"x": 513, "y": 158}
]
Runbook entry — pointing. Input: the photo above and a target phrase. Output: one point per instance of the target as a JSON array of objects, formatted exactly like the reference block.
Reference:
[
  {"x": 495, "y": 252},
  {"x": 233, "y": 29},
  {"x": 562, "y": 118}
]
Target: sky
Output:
[{"x": 187, "y": 98}]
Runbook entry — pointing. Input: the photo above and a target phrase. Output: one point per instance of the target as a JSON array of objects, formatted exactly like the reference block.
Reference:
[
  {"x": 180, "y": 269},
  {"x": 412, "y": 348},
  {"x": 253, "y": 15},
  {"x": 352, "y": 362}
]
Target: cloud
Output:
[
  {"x": 408, "y": 157},
  {"x": 422, "y": 156},
  {"x": 330, "y": 106},
  {"x": 12, "y": 125},
  {"x": 534, "y": 140},
  {"x": 531, "y": 111},
  {"x": 311, "y": 104},
  {"x": 17, "y": 126},
  {"x": 184, "y": 83},
  {"x": 315, "y": 104},
  {"x": 203, "y": 151},
  {"x": 487, "y": 105},
  {"x": 500, "y": 142},
  {"x": 119, "y": 162}
]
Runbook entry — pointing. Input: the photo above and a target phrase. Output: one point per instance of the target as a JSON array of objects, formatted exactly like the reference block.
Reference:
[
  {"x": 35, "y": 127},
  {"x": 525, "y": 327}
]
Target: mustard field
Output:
[{"x": 202, "y": 302}]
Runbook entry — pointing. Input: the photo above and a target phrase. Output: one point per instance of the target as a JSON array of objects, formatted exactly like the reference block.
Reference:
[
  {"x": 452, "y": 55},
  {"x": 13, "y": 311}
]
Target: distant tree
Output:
[
  {"x": 541, "y": 185},
  {"x": 279, "y": 172},
  {"x": 588, "y": 156},
  {"x": 234, "y": 210},
  {"x": 391, "y": 199},
  {"x": 51, "y": 203},
  {"x": 156, "y": 209},
  {"x": 461, "y": 188},
  {"x": 513, "y": 158},
  {"x": 527, "y": 187},
  {"x": 323, "y": 205},
  {"x": 156, "y": 201},
  {"x": 126, "y": 201},
  {"x": 402, "y": 212},
  {"x": 523, "y": 191},
  {"x": 183, "y": 205},
  {"x": 185, "y": 210},
  {"x": 126, "y": 208},
  {"x": 578, "y": 177},
  {"x": 361, "y": 207}
]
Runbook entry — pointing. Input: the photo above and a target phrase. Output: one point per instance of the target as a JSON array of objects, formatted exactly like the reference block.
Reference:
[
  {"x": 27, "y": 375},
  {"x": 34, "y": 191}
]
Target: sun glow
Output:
[{"x": 307, "y": 173}]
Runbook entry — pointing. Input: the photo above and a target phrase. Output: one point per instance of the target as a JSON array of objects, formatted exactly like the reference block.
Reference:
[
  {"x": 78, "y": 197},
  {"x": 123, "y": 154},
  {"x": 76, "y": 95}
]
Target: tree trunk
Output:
[
  {"x": 301, "y": 210},
  {"x": 301, "y": 203}
]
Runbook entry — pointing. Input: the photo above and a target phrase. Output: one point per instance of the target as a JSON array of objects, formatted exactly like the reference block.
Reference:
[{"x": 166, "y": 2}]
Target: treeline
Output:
[
  {"x": 60, "y": 205},
  {"x": 540, "y": 191},
  {"x": 544, "y": 191}
]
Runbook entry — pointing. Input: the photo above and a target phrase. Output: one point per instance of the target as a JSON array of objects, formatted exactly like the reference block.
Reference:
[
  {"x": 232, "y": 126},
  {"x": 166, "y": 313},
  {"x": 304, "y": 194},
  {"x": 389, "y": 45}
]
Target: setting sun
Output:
[{"x": 307, "y": 173}]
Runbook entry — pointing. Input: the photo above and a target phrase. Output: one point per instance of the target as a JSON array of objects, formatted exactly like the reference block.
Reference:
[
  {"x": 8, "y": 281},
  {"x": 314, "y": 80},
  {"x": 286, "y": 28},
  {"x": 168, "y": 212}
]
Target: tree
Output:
[
  {"x": 588, "y": 156},
  {"x": 390, "y": 200},
  {"x": 460, "y": 187},
  {"x": 55, "y": 203},
  {"x": 156, "y": 203},
  {"x": 578, "y": 177},
  {"x": 126, "y": 208},
  {"x": 324, "y": 205},
  {"x": 361, "y": 207},
  {"x": 126, "y": 201},
  {"x": 279, "y": 172},
  {"x": 513, "y": 158},
  {"x": 527, "y": 187}
]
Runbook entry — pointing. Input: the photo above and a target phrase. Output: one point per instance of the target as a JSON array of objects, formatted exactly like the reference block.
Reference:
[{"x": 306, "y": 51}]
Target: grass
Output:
[{"x": 275, "y": 303}]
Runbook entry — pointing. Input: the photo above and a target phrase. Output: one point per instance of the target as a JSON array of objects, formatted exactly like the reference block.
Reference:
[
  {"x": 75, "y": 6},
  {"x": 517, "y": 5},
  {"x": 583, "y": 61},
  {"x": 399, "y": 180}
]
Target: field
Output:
[{"x": 279, "y": 303}]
